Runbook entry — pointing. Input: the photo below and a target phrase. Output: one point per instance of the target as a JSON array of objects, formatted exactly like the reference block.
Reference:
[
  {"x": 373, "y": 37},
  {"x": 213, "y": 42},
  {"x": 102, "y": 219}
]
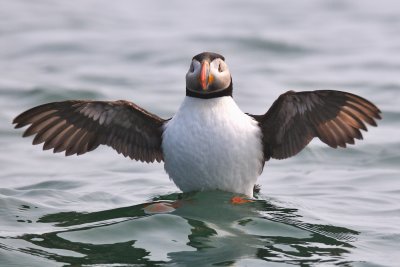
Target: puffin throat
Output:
[{"x": 205, "y": 94}]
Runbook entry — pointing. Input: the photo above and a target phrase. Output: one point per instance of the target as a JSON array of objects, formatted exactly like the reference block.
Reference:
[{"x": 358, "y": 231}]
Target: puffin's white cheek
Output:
[{"x": 221, "y": 79}]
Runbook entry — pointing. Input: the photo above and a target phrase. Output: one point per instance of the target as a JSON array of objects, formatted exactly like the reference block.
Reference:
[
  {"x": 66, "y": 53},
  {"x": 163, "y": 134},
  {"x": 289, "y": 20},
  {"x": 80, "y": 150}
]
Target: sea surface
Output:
[{"x": 324, "y": 207}]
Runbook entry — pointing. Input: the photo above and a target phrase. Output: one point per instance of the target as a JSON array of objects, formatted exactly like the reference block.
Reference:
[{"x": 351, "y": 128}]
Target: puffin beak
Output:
[{"x": 204, "y": 75}]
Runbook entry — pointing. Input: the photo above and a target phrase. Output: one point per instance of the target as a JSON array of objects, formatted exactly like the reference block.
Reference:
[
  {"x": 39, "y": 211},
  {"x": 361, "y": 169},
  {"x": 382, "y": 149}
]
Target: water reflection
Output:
[{"x": 205, "y": 229}]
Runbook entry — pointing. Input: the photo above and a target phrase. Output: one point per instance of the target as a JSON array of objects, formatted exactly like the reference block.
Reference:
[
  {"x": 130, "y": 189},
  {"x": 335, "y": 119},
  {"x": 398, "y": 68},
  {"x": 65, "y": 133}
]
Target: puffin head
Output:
[{"x": 208, "y": 76}]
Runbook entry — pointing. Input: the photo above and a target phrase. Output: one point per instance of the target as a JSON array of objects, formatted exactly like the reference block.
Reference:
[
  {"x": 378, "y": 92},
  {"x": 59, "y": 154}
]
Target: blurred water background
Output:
[{"x": 323, "y": 207}]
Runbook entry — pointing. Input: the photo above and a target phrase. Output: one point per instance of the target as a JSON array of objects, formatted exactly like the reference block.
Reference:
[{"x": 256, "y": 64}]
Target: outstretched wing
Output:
[
  {"x": 77, "y": 127},
  {"x": 295, "y": 119}
]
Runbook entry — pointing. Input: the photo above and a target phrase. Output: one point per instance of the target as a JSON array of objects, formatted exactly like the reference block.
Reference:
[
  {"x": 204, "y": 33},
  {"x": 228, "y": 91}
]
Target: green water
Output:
[
  {"x": 206, "y": 229},
  {"x": 324, "y": 207}
]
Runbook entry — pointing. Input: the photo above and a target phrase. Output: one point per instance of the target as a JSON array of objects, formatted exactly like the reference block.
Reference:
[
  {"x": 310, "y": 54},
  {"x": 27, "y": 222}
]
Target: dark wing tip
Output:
[
  {"x": 366, "y": 110},
  {"x": 22, "y": 119},
  {"x": 351, "y": 117},
  {"x": 372, "y": 108},
  {"x": 37, "y": 113}
]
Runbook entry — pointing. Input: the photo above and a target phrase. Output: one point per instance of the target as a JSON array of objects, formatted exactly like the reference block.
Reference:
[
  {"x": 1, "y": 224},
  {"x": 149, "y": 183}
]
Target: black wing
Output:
[
  {"x": 296, "y": 118},
  {"x": 77, "y": 127}
]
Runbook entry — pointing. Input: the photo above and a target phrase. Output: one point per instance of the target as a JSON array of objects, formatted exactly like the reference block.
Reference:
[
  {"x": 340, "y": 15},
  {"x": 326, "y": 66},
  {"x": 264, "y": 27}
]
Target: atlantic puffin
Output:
[{"x": 209, "y": 144}]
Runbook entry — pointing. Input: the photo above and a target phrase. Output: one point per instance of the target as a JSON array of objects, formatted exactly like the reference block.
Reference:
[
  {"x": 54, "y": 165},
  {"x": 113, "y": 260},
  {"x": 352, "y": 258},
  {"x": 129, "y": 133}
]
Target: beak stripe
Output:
[{"x": 204, "y": 79}]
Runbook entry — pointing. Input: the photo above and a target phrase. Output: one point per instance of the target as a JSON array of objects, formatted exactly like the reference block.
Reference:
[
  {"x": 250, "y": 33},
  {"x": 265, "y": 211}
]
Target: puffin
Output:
[{"x": 210, "y": 143}]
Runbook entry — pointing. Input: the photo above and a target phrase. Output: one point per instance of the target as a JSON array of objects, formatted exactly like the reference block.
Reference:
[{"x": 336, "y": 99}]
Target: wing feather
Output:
[
  {"x": 294, "y": 119},
  {"x": 77, "y": 127}
]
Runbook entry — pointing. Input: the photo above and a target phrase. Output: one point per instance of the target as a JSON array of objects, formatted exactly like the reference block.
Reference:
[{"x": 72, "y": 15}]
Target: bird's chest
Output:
[
  {"x": 212, "y": 147},
  {"x": 207, "y": 139}
]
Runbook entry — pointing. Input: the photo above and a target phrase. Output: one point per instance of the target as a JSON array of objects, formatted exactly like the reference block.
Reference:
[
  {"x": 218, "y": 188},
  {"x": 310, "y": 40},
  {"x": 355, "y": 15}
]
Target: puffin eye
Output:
[{"x": 220, "y": 67}]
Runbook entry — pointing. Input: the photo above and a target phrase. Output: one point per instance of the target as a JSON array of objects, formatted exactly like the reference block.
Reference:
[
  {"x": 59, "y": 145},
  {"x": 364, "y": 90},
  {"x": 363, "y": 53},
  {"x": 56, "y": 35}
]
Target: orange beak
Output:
[{"x": 204, "y": 73}]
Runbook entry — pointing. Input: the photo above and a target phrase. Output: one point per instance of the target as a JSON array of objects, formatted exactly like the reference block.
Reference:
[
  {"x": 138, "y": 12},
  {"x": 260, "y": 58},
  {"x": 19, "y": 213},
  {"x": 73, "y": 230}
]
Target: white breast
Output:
[{"x": 211, "y": 144}]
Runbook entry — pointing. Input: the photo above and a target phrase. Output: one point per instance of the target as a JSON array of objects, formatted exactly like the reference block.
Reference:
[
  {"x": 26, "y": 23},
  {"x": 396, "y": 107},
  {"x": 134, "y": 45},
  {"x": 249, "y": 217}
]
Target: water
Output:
[{"x": 336, "y": 207}]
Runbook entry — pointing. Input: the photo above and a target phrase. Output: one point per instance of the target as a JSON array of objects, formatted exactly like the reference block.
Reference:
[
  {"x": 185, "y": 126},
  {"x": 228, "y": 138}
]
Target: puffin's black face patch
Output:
[{"x": 210, "y": 56}]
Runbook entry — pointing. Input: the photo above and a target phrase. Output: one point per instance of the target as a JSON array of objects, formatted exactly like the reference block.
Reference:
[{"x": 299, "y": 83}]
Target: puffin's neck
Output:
[{"x": 225, "y": 92}]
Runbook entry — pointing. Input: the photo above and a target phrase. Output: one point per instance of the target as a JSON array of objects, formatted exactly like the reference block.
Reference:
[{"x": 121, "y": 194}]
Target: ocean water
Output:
[{"x": 324, "y": 207}]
